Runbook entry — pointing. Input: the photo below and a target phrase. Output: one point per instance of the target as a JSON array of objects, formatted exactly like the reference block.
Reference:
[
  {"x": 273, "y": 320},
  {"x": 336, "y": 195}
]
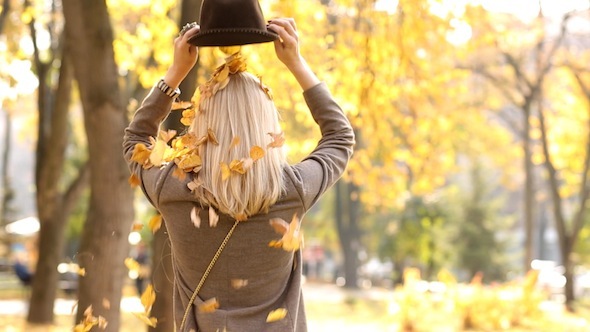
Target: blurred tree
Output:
[
  {"x": 565, "y": 140},
  {"x": 104, "y": 243},
  {"x": 481, "y": 238},
  {"x": 57, "y": 191}
]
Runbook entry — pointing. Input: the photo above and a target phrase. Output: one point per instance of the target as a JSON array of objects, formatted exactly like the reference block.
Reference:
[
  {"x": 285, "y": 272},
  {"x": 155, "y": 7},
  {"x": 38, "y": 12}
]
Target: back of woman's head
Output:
[{"x": 240, "y": 117}]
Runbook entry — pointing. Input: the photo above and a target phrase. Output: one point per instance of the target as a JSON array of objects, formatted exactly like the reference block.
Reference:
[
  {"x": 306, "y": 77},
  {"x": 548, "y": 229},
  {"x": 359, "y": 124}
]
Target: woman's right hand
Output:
[
  {"x": 185, "y": 58},
  {"x": 287, "y": 49}
]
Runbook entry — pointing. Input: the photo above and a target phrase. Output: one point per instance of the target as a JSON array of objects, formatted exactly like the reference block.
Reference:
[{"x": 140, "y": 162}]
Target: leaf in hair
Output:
[
  {"x": 237, "y": 166},
  {"x": 256, "y": 152},
  {"x": 211, "y": 137},
  {"x": 225, "y": 171},
  {"x": 234, "y": 142}
]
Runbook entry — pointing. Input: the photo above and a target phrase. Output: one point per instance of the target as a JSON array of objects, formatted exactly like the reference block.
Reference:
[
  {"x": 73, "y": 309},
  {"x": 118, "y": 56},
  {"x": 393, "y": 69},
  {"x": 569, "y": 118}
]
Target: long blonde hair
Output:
[{"x": 241, "y": 112}]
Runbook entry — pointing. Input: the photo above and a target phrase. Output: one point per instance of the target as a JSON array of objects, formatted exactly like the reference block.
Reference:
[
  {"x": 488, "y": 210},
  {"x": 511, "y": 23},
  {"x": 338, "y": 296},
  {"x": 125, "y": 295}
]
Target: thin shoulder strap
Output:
[{"x": 207, "y": 271}]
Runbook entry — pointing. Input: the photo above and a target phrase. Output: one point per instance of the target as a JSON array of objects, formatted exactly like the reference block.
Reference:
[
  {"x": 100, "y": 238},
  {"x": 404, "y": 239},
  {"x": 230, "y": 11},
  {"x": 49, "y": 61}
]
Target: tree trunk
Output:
[
  {"x": 104, "y": 244},
  {"x": 52, "y": 212},
  {"x": 162, "y": 278},
  {"x": 529, "y": 190},
  {"x": 347, "y": 232}
]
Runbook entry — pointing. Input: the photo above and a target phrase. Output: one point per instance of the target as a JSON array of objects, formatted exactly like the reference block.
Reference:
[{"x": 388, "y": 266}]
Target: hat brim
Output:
[{"x": 232, "y": 37}]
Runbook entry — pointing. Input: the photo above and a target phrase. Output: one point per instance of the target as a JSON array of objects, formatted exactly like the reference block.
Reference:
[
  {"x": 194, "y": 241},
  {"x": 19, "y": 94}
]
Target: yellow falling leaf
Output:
[
  {"x": 148, "y": 297},
  {"x": 134, "y": 181},
  {"x": 213, "y": 217},
  {"x": 209, "y": 306},
  {"x": 81, "y": 272},
  {"x": 150, "y": 321},
  {"x": 276, "y": 315},
  {"x": 195, "y": 217},
  {"x": 155, "y": 223},
  {"x": 278, "y": 139},
  {"x": 132, "y": 264},
  {"x": 239, "y": 283},
  {"x": 292, "y": 237},
  {"x": 136, "y": 227},
  {"x": 256, "y": 152}
]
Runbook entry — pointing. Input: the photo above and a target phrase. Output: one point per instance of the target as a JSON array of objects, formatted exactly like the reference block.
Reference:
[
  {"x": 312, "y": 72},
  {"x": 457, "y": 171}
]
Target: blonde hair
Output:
[{"x": 241, "y": 111}]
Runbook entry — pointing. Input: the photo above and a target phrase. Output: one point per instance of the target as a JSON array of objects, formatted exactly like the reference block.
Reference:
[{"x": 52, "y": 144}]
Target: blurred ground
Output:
[{"x": 328, "y": 307}]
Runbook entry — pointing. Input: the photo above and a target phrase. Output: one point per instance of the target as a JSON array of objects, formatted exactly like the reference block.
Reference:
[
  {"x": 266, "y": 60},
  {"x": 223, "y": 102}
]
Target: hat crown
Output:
[
  {"x": 227, "y": 14},
  {"x": 231, "y": 22}
]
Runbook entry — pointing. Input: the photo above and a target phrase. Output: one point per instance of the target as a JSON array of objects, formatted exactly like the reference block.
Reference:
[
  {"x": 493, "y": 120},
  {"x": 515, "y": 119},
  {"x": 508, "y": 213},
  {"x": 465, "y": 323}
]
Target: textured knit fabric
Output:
[{"x": 273, "y": 275}]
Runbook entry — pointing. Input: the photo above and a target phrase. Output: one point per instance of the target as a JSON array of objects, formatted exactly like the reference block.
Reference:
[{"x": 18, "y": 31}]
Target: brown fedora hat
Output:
[{"x": 232, "y": 22}]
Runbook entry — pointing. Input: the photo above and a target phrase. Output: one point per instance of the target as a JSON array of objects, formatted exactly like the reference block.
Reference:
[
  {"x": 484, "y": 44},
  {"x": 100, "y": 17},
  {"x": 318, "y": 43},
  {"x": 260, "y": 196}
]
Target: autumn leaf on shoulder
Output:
[
  {"x": 179, "y": 173},
  {"x": 134, "y": 181},
  {"x": 278, "y": 139},
  {"x": 189, "y": 161},
  {"x": 141, "y": 154},
  {"x": 166, "y": 135},
  {"x": 256, "y": 152},
  {"x": 209, "y": 306},
  {"x": 155, "y": 223},
  {"x": 158, "y": 151},
  {"x": 181, "y": 105},
  {"x": 213, "y": 217},
  {"x": 276, "y": 315}
]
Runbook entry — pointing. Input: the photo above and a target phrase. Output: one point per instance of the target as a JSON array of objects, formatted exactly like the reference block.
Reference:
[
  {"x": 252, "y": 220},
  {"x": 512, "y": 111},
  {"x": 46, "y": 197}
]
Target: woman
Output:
[{"x": 230, "y": 201}]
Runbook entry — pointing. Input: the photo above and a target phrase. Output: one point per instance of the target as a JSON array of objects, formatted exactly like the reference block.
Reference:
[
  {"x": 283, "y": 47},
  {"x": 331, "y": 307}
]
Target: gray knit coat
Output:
[{"x": 273, "y": 275}]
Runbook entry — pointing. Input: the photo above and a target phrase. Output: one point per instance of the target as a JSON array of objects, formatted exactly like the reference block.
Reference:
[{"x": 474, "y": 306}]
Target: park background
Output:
[{"x": 464, "y": 206}]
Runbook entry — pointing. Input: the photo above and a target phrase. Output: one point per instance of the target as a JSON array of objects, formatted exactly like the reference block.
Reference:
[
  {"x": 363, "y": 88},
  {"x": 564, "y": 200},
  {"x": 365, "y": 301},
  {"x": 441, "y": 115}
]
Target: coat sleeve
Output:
[
  {"x": 325, "y": 165},
  {"x": 145, "y": 124}
]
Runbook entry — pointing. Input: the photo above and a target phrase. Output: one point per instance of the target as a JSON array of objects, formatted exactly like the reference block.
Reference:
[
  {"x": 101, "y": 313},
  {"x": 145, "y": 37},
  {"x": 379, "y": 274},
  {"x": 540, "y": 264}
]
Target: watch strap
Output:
[{"x": 172, "y": 93}]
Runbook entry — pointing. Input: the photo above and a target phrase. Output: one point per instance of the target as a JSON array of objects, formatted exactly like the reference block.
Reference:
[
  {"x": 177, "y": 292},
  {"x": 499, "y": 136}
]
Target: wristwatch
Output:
[{"x": 172, "y": 93}]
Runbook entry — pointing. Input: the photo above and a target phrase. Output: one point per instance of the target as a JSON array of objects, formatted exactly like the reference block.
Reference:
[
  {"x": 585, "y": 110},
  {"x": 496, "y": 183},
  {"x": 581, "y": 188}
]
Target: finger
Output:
[
  {"x": 285, "y": 24},
  {"x": 285, "y": 38},
  {"x": 191, "y": 32}
]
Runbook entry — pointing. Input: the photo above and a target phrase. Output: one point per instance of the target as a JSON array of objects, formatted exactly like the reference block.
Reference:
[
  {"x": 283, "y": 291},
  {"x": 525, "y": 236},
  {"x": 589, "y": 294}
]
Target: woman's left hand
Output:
[{"x": 185, "y": 58}]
